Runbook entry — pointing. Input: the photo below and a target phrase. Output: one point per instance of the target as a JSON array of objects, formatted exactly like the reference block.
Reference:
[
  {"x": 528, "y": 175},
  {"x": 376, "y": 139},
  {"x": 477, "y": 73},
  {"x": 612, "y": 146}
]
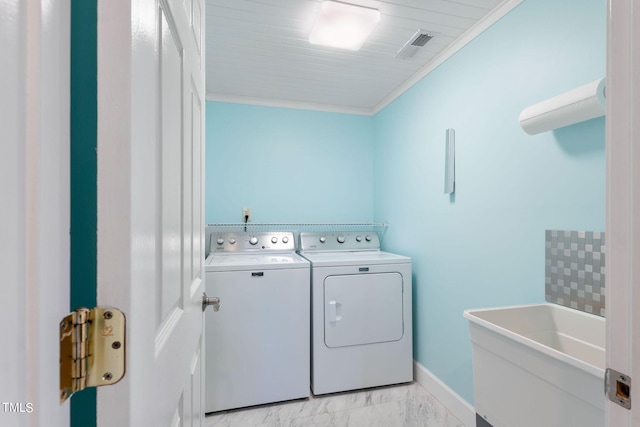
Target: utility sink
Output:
[{"x": 536, "y": 365}]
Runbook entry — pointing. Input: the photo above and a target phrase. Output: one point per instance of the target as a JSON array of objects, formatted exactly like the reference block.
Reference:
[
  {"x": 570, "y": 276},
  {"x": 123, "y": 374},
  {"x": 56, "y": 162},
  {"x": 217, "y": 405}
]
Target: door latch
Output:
[{"x": 617, "y": 388}]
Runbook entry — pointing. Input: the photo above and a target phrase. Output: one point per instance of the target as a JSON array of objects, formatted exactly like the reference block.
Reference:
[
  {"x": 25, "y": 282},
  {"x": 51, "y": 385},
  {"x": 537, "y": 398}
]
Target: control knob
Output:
[
  {"x": 323, "y": 239},
  {"x": 253, "y": 240},
  {"x": 232, "y": 240},
  {"x": 285, "y": 239},
  {"x": 274, "y": 240},
  {"x": 220, "y": 240},
  {"x": 368, "y": 238},
  {"x": 358, "y": 238},
  {"x": 341, "y": 239}
]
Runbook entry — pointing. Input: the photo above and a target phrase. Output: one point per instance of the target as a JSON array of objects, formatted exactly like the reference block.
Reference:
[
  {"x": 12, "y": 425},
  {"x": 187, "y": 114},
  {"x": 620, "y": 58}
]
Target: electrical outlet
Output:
[{"x": 246, "y": 214}]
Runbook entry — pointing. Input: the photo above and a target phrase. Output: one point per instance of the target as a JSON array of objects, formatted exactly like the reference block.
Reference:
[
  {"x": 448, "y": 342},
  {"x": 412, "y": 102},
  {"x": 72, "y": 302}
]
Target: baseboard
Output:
[{"x": 449, "y": 398}]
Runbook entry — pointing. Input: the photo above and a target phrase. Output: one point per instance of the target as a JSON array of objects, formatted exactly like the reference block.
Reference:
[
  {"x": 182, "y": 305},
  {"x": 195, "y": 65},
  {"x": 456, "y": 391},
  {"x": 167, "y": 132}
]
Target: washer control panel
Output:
[
  {"x": 339, "y": 241},
  {"x": 280, "y": 241}
]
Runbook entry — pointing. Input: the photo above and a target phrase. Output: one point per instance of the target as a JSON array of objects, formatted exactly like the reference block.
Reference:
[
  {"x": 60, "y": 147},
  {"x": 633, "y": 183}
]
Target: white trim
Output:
[
  {"x": 491, "y": 18},
  {"x": 282, "y": 103},
  {"x": 623, "y": 200},
  {"x": 488, "y": 20},
  {"x": 445, "y": 395},
  {"x": 34, "y": 175}
]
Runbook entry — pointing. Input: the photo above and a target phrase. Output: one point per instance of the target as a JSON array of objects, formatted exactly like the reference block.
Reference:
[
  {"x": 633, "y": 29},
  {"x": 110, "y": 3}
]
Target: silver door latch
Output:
[
  {"x": 206, "y": 301},
  {"x": 617, "y": 388}
]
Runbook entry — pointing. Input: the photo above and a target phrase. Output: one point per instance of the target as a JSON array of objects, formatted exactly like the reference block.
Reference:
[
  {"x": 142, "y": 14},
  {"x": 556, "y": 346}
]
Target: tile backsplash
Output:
[{"x": 575, "y": 269}]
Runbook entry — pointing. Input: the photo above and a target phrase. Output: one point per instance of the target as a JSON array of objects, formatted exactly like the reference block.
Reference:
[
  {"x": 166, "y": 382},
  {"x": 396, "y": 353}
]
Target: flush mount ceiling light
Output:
[{"x": 343, "y": 25}]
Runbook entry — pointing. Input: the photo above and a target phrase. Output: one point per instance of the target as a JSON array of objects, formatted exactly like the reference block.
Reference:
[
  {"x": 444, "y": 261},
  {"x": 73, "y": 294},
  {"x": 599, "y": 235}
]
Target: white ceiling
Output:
[{"x": 258, "y": 52}]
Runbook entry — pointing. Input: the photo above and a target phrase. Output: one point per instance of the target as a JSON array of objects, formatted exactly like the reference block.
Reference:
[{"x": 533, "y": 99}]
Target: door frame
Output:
[
  {"x": 623, "y": 199},
  {"x": 34, "y": 166}
]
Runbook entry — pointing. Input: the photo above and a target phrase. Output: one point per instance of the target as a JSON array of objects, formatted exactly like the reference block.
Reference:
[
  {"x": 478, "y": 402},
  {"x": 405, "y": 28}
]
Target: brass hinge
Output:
[
  {"x": 617, "y": 388},
  {"x": 92, "y": 349}
]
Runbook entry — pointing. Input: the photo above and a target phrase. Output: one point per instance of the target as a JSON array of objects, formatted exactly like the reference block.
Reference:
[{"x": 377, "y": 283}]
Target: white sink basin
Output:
[{"x": 538, "y": 365}]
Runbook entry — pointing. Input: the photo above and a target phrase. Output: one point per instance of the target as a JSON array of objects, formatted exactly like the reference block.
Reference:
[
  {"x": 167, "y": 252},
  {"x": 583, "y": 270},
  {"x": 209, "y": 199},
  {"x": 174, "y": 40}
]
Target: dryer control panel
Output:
[
  {"x": 272, "y": 241},
  {"x": 339, "y": 241}
]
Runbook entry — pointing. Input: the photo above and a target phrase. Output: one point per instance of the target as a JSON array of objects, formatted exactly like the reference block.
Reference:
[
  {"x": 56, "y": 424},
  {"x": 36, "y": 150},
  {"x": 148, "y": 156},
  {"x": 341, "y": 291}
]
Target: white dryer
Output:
[
  {"x": 257, "y": 344},
  {"x": 361, "y": 328}
]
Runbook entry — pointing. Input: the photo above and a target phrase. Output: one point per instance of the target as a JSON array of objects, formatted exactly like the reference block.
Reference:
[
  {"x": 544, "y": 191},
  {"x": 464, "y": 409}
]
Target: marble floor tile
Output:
[
  {"x": 408, "y": 405},
  {"x": 381, "y": 415}
]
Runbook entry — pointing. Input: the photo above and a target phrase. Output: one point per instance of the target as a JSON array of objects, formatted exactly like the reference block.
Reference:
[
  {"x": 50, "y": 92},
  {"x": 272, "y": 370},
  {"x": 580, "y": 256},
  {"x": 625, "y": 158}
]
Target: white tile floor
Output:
[{"x": 407, "y": 405}]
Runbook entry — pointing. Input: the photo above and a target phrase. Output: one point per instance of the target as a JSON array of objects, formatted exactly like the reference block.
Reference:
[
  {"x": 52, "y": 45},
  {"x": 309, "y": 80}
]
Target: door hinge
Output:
[
  {"x": 617, "y": 388},
  {"x": 92, "y": 349}
]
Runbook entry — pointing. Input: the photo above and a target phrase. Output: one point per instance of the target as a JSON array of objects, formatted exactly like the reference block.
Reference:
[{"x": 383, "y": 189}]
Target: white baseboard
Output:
[{"x": 449, "y": 398}]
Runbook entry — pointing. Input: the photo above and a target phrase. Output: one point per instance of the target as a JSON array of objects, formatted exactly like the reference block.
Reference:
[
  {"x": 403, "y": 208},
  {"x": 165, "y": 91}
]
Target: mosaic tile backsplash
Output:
[{"x": 575, "y": 269}]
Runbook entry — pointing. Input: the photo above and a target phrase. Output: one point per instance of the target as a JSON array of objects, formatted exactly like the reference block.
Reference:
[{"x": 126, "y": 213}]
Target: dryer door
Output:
[{"x": 363, "y": 309}]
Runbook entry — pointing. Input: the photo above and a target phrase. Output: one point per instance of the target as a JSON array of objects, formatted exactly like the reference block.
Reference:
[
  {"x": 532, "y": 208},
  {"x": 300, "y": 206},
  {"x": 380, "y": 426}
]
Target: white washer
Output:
[
  {"x": 257, "y": 344},
  {"x": 361, "y": 330}
]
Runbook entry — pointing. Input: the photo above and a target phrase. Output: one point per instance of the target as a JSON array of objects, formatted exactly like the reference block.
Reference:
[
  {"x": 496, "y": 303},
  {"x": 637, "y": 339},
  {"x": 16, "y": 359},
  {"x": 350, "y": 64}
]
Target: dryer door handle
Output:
[{"x": 333, "y": 311}]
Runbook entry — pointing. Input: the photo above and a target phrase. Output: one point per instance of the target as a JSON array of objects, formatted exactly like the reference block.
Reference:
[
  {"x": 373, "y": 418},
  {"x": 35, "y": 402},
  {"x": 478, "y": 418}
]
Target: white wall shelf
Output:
[{"x": 302, "y": 226}]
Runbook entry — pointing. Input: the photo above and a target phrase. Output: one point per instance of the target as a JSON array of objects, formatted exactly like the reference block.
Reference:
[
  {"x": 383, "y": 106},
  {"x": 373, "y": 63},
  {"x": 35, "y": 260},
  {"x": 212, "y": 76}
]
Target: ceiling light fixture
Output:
[{"x": 343, "y": 25}]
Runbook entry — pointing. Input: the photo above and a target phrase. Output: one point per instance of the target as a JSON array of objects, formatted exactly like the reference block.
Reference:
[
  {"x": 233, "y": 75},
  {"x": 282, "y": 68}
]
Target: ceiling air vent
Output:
[{"x": 417, "y": 41}]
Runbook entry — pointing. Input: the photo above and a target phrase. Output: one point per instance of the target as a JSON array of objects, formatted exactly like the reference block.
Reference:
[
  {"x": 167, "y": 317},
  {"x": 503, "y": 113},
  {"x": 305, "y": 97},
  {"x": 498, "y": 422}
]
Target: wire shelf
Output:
[{"x": 298, "y": 227}]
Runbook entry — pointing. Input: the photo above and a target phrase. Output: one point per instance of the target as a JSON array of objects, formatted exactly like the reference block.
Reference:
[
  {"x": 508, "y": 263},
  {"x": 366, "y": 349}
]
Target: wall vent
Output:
[{"x": 415, "y": 43}]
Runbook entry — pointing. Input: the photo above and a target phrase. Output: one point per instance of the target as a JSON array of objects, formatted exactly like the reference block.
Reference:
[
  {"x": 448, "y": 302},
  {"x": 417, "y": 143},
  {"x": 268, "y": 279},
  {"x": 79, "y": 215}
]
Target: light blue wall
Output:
[
  {"x": 287, "y": 165},
  {"x": 485, "y": 245}
]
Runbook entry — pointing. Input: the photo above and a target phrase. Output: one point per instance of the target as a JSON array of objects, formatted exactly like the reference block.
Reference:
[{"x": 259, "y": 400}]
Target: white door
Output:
[
  {"x": 623, "y": 202},
  {"x": 34, "y": 172},
  {"x": 150, "y": 210}
]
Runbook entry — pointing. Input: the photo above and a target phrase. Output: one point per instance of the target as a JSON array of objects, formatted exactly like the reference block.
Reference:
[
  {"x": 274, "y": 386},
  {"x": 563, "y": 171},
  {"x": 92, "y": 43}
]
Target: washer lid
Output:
[
  {"x": 331, "y": 259},
  {"x": 236, "y": 262}
]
